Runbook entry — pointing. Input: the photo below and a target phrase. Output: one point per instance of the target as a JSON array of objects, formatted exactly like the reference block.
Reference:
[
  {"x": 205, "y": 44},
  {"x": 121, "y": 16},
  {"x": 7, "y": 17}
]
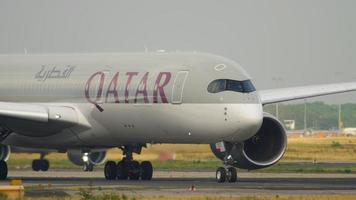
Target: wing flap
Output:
[{"x": 294, "y": 93}]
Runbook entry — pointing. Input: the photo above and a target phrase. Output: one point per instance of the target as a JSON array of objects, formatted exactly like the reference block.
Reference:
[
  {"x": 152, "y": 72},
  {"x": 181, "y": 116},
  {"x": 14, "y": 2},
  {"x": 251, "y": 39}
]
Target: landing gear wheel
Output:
[
  {"x": 122, "y": 170},
  {"x": 146, "y": 170},
  {"x": 44, "y": 165},
  {"x": 231, "y": 175},
  {"x": 88, "y": 167},
  {"x": 36, "y": 165},
  {"x": 221, "y": 175},
  {"x": 3, "y": 170},
  {"x": 135, "y": 170},
  {"x": 40, "y": 165},
  {"x": 110, "y": 170},
  {"x": 128, "y": 168}
]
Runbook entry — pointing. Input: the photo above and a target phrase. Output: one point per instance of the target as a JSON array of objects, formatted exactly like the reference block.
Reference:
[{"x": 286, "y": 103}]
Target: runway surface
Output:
[{"x": 168, "y": 183}]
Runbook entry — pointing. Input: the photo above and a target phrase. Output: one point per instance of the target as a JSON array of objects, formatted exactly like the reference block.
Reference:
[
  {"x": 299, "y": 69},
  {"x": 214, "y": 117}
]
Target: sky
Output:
[{"x": 280, "y": 43}]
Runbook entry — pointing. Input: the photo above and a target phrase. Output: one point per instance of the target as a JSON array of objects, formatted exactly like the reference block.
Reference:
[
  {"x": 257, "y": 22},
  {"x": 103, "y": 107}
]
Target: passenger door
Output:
[{"x": 178, "y": 86}]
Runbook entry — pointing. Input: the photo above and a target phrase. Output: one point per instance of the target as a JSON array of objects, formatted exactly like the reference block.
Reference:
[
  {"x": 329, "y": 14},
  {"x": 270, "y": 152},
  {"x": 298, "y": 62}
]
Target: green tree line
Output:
[{"x": 320, "y": 116}]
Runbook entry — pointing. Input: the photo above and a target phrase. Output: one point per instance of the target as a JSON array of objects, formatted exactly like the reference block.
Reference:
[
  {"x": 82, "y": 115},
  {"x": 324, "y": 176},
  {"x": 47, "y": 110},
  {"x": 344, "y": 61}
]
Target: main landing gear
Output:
[
  {"x": 128, "y": 168},
  {"x": 40, "y": 164},
  {"x": 3, "y": 170},
  {"x": 227, "y": 173}
]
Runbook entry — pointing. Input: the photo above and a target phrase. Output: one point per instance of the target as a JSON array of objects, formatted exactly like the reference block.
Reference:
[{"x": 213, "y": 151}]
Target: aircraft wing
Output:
[
  {"x": 293, "y": 93},
  {"x": 24, "y": 111},
  {"x": 39, "y": 120}
]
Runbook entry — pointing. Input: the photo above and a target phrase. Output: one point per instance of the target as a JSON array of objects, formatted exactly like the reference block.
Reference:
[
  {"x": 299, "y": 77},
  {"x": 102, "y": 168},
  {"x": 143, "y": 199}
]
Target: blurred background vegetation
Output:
[{"x": 320, "y": 116}]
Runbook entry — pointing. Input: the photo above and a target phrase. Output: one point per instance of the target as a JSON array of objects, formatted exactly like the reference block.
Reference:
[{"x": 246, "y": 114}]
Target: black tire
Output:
[
  {"x": 221, "y": 175},
  {"x": 110, "y": 170},
  {"x": 44, "y": 165},
  {"x": 231, "y": 175},
  {"x": 90, "y": 167},
  {"x": 85, "y": 167},
  {"x": 146, "y": 170},
  {"x": 122, "y": 170},
  {"x": 135, "y": 170},
  {"x": 3, "y": 170},
  {"x": 36, "y": 165}
]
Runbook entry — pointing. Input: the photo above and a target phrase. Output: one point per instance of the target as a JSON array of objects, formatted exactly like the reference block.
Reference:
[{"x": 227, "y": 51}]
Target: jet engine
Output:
[
  {"x": 262, "y": 150},
  {"x": 79, "y": 158},
  {"x": 4, "y": 152}
]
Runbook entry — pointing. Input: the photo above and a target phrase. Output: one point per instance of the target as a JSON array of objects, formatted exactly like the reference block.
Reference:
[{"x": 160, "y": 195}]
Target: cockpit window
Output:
[
  {"x": 220, "y": 85},
  {"x": 248, "y": 86},
  {"x": 217, "y": 86}
]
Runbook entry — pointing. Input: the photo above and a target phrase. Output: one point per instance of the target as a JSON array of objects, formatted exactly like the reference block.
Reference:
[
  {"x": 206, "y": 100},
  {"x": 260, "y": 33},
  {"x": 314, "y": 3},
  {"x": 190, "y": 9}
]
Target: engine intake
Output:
[
  {"x": 262, "y": 150},
  {"x": 4, "y": 152},
  {"x": 95, "y": 158}
]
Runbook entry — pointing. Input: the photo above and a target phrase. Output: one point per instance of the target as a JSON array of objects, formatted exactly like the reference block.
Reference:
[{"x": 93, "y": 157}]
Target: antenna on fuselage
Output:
[{"x": 99, "y": 107}]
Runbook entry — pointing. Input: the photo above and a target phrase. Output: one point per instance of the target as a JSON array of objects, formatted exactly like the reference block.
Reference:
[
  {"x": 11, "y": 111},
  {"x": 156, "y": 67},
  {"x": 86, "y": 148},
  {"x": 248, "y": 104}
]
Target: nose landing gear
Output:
[
  {"x": 228, "y": 172},
  {"x": 88, "y": 166},
  {"x": 128, "y": 168}
]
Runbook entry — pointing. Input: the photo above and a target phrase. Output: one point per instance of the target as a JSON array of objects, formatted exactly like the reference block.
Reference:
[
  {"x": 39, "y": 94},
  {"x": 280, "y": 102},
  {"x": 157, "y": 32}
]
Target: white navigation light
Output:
[{"x": 85, "y": 157}]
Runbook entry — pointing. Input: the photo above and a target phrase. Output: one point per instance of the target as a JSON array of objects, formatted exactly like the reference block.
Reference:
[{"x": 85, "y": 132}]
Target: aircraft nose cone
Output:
[{"x": 249, "y": 119}]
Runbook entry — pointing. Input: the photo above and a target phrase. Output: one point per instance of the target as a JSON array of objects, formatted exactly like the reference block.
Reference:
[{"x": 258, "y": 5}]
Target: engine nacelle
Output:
[
  {"x": 95, "y": 157},
  {"x": 4, "y": 152},
  {"x": 262, "y": 150}
]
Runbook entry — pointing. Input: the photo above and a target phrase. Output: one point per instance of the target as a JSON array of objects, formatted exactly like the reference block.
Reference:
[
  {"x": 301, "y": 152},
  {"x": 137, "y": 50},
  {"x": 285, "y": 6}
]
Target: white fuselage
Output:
[{"x": 132, "y": 98}]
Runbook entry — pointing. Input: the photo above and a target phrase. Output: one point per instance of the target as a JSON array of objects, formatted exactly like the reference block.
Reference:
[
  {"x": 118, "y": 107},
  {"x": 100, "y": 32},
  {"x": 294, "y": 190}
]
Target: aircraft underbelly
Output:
[
  {"x": 166, "y": 123},
  {"x": 162, "y": 123}
]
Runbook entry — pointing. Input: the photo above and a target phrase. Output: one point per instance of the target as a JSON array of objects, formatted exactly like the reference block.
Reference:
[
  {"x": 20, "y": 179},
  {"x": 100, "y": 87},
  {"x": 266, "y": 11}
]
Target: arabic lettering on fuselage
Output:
[{"x": 54, "y": 72}]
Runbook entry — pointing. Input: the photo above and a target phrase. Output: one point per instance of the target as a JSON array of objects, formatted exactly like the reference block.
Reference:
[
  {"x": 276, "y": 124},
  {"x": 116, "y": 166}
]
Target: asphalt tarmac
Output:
[{"x": 171, "y": 183}]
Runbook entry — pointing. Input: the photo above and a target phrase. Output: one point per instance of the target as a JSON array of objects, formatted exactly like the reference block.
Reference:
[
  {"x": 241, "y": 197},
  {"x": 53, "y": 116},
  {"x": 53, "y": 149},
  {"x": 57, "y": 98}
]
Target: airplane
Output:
[
  {"x": 91, "y": 102},
  {"x": 86, "y": 160}
]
